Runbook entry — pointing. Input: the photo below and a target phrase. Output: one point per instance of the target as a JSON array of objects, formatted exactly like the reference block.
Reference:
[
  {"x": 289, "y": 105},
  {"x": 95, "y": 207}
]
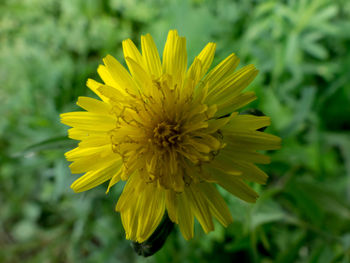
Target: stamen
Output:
[
  {"x": 165, "y": 134},
  {"x": 164, "y": 130}
]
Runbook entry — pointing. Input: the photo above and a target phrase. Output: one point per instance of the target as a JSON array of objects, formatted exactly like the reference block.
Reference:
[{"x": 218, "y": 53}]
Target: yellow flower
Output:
[{"x": 172, "y": 133}]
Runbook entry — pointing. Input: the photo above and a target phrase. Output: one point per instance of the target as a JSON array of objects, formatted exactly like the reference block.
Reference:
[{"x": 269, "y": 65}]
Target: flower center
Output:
[{"x": 166, "y": 135}]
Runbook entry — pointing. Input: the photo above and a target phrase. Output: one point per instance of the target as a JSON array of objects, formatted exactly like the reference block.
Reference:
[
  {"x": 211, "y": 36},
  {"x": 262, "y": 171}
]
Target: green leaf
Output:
[
  {"x": 61, "y": 142},
  {"x": 302, "y": 112}
]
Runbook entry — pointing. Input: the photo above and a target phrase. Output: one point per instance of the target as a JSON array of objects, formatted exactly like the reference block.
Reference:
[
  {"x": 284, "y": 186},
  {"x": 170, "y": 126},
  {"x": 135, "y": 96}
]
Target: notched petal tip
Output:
[
  {"x": 173, "y": 32},
  {"x": 75, "y": 187},
  {"x": 107, "y": 59}
]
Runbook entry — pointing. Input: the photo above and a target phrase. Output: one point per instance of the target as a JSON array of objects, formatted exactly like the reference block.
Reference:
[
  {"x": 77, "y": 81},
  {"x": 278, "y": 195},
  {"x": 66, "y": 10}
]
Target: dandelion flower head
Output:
[{"x": 172, "y": 132}]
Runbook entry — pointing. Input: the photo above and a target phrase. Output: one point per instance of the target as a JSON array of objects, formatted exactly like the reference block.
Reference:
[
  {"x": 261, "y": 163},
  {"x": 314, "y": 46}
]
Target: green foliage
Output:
[{"x": 48, "y": 48}]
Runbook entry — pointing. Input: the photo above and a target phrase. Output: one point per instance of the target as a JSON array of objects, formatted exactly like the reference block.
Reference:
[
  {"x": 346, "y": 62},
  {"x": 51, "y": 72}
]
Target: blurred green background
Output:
[{"x": 48, "y": 49}]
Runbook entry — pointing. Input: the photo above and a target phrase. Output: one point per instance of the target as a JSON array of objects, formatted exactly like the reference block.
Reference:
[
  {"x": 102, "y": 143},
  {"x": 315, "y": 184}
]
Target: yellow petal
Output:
[
  {"x": 232, "y": 85},
  {"x": 251, "y": 172},
  {"x": 224, "y": 165},
  {"x": 152, "y": 208},
  {"x": 252, "y": 140},
  {"x": 198, "y": 145},
  {"x": 78, "y": 134},
  {"x": 242, "y": 154},
  {"x": 106, "y": 76},
  {"x": 131, "y": 51},
  {"x": 175, "y": 56},
  {"x": 94, "y": 105},
  {"x": 151, "y": 56},
  {"x": 192, "y": 79},
  {"x": 248, "y": 122},
  {"x": 185, "y": 216},
  {"x": 119, "y": 74},
  {"x": 139, "y": 74},
  {"x": 234, "y": 103},
  {"x": 94, "y": 178},
  {"x": 216, "y": 124},
  {"x": 203, "y": 138},
  {"x": 115, "y": 179},
  {"x": 142, "y": 208},
  {"x": 130, "y": 192},
  {"x": 200, "y": 207},
  {"x": 89, "y": 121},
  {"x": 225, "y": 68},
  {"x": 217, "y": 205},
  {"x": 93, "y": 86},
  {"x": 195, "y": 71},
  {"x": 206, "y": 57},
  {"x": 248, "y": 170},
  {"x": 92, "y": 162},
  {"x": 129, "y": 221},
  {"x": 235, "y": 186},
  {"x": 81, "y": 152},
  {"x": 95, "y": 140},
  {"x": 171, "y": 205}
]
